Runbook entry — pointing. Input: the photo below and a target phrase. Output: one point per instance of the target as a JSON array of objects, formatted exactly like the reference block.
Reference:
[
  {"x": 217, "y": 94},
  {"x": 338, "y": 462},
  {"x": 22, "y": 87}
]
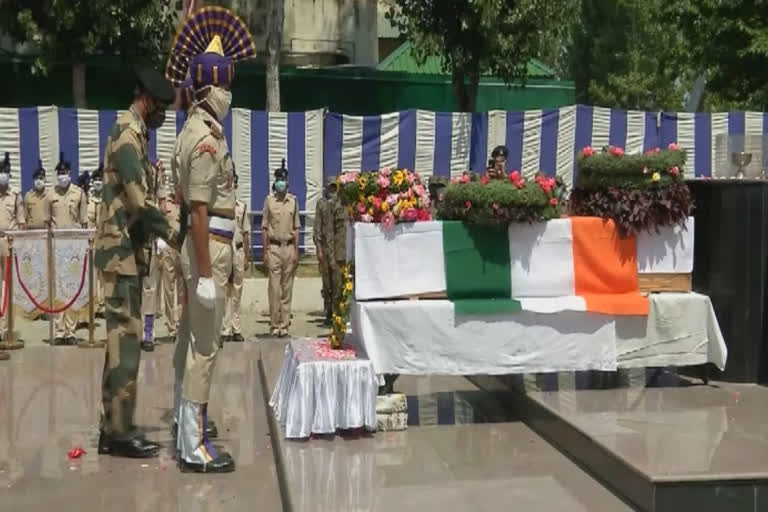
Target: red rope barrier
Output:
[
  {"x": 40, "y": 306},
  {"x": 6, "y": 286}
]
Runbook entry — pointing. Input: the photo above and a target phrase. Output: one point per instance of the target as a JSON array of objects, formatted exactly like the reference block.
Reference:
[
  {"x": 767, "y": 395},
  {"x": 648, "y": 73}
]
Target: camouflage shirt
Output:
[
  {"x": 127, "y": 220},
  {"x": 330, "y": 228}
]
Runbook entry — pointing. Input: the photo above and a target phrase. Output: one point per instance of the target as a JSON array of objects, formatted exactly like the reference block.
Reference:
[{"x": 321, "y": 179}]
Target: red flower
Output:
[
  {"x": 616, "y": 151},
  {"x": 588, "y": 151},
  {"x": 464, "y": 178},
  {"x": 514, "y": 176},
  {"x": 553, "y": 201},
  {"x": 423, "y": 214},
  {"x": 674, "y": 171},
  {"x": 652, "y": 151},
  {"x": 484, "y": 180},
  {"x": 495, "y": 206},
  {"x": 673, "y": 146},
  {"x": 519, "y": 183},
  {"x": 467, "y": 204}
]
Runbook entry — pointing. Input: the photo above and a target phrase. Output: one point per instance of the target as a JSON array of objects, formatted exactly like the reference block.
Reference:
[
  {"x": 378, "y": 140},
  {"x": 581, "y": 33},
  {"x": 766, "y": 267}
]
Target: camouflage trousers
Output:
[
  {"x": 330, "y": 271},
  {"x": 122, "y": 301}
]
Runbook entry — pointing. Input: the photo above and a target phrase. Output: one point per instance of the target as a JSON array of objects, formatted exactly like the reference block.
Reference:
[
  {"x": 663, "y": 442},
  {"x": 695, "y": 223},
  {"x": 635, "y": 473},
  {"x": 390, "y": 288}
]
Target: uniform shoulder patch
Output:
[{"x": 206, "y": 147}]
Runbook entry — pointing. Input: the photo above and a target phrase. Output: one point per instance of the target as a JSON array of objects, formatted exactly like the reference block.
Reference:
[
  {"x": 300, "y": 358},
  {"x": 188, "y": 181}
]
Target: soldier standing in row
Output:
[
  {"x": 242, "y": 247},
  {"x": 205, "y": 171},
  {"x": 322, "y": 235},
  {"x": 169, "y": 265},
  {"x": 11, "y": 218},
  {"x": 127, "y": 224},
  {"x": 37, "y": 204},
  {"x": 280, "y": 232},
  {"x": 94, "y": 216},
  {"x": 69, "y": 209}
]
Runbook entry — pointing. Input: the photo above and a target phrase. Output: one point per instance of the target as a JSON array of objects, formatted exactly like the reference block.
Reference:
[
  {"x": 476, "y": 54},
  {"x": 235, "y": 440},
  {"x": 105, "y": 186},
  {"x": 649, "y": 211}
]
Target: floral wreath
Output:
[{"x": 341, "y": 310}]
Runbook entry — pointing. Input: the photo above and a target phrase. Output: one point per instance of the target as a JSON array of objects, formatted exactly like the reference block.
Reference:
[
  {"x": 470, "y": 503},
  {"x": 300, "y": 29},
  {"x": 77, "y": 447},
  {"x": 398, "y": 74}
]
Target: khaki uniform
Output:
[
  {"x": 11, "y": 217},
  {"x": 69, "y": 209},
  {"x": 126, "y": 225},
  {"x": 170, "y": 276},
  {"x": 281, "y": 221},
  {"x": 205, "y": 171},
  {"x": 94, "y": 215},
  {"x": 37, "y": 208},
  {"x": 240, "y": 243},
  {"x": 329, "y": 233}
]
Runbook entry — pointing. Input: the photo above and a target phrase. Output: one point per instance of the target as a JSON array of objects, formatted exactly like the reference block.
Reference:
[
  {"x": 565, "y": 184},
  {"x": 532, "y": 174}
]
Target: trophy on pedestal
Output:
[{"x": 740, "y": 159}]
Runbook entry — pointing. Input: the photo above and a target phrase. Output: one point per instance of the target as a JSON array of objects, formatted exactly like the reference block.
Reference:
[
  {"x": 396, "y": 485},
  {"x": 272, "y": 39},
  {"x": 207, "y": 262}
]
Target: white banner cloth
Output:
[
  {"x": 320, "y": 396},
  {"x": 408, "y": 260},
  {"x": 426, "y": 338}
]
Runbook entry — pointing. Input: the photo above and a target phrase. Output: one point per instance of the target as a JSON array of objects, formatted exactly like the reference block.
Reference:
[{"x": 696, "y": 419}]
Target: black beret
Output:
[
  {"x": 6, "y": 163},
  {"x": 98, "y": 173},
  {"x": 40, "y": 171},
  {"x": 500, "y": 151},
  {"x": 155, "y": 84},
  {"x": 281, "y": 172}
]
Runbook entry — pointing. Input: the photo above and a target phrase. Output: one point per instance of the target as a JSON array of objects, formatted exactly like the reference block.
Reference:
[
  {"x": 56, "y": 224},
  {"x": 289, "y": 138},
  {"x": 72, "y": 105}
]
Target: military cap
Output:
[
  {"x": 155, "y": 84},
  {"x": 98, "y": 174},
  {"x": 206, "y": 47},
  {"x": 281, "y": 172},
  {"x": 330, "y": 181},
  {"x": 40, "y": 171},
  {"x": 62, "y": 165},
  {"x": 500, "y": 151},
  {"x": 5, "y": 165}
]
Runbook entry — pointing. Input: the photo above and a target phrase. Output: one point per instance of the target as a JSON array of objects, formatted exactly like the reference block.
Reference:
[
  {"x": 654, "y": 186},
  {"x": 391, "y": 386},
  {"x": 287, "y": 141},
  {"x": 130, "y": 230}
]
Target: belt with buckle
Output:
[{"x": 279, "y": 243}]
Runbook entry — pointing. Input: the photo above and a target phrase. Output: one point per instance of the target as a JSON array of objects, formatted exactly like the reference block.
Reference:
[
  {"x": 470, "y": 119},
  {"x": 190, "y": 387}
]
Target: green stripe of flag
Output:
[{"x": 477, "y": 268}]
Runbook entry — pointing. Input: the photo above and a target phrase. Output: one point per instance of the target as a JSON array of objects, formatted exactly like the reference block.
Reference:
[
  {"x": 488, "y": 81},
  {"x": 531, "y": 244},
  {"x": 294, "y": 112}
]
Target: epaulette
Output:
[{"x": 215, "y": 130}]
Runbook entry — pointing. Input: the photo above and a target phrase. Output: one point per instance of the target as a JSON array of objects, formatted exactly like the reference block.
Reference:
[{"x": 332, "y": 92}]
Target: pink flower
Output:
[
  {"x": 553, "y": 201},
  {"x": 361, "y": 208},
  {"x": 420, "y": 190},
  {"x": 673, "y": 146},
  {"x": 349, "y": 177},
  {"x": 366, "y": 218},
  {"x": 484, "y": 180},
  {"x": 495, "y": 206},
  {"x": 519, "y": 183},
  {"x": 588, "y": 151},
  {"x": 652, "y": 151},
  {"x": 467, "y": 204},
  {"x": 424, "y": 215},
  {"x": 456, "y": 179},
  {"x": 464, "y": 178},
  {"x": 645, "y": 170},
  {"x": 514, "y": 176},
  {"x": 387, "y": 171},
  {"x": 392, "y": 199},
  {"x": 377, "y": 203},
  {"x": 616, "y": 151},
  {"x": 382, "y": 181},
  {"x": 674, "y": 171},
  {"x": 388, "y": 221},
  {"x": 410, "y": 178},
  {"x": 410, "y": 214}
]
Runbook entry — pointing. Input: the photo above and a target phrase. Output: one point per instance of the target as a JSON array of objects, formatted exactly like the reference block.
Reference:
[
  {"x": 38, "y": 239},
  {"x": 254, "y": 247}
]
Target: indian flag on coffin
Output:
[{"x": 576, "y": 263}]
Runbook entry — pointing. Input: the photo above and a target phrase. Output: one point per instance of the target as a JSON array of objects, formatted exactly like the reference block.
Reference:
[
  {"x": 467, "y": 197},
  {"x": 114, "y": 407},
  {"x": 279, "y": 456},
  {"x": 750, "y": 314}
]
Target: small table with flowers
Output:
[{"x": 321, "y": 390}]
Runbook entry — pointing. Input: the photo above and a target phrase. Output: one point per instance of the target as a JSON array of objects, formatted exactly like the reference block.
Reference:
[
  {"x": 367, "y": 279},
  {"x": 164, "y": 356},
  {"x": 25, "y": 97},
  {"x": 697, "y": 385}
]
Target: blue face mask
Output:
[{"x": 280, "y": 186}]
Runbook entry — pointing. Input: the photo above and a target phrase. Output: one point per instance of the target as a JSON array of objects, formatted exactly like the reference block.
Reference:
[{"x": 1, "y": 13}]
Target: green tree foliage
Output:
[
  {"x": 631, "y": 54},
  {"x": 728, "y": 42},
  {"x": 477, "y": 36},
  {"x": 71, "y": 30}
]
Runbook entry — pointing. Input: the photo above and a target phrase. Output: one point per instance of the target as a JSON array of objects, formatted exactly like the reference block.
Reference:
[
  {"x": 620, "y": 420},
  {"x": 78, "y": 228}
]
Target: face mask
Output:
[
  {"x": 219, "y": 100},
  {"x": 280, "y": 186},
  {"x": 97, "y": 186},
  {"x": 331, "y": 195},
  {"x": 39, "y": 184},
  {"x": 4, "y": 178},
  {"x": 64, "y": 180},
  {"x": 156, "y": 118}
]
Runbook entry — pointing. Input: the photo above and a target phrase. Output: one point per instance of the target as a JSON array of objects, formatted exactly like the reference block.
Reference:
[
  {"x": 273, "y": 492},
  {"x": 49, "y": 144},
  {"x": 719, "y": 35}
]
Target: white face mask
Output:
[
  {"x": 219, "y": 100},
  {"x": 63, "y": 180},
  {"x": 4, "y": 178},
  {"x": 39, "y": 184},
  {"x": 97, "y": 186}
]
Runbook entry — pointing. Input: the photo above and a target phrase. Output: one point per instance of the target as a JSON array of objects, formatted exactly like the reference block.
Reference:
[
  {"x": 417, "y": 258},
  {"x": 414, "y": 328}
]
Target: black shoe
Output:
[
  {"x": 136, "y": 447},
  {"x": 59, "y": 340},
  {"x": 225, "y": 337},
  {"x": 221, "y": 464},
  {"x": 71, "y": 340},
  {"x": 147, "y": 346},
  {"x": 212, "y": 431},
  {"x": 236, "y": 337}
]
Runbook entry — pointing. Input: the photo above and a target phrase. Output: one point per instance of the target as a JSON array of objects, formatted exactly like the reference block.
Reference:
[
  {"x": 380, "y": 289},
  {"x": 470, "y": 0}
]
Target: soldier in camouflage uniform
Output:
[
  {"x": 127, "y": 225},
  {"x": 322, "y": 234},
  {"x": 205, "y": 174}
]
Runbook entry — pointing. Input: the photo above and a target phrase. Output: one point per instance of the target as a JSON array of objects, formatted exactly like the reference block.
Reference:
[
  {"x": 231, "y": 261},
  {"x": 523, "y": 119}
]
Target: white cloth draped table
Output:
[
  {"x": 424, "y": 337},
  {"x": 317, "y": 395}
]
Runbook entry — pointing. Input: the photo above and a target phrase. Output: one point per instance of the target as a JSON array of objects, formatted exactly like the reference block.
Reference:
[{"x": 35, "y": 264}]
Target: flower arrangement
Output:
[
  {"x": 639, "y": 192},
  {"x": 341, "y": 310},
  {"x": 484, "y": 200},
  {"x": 386, "y": 196}
]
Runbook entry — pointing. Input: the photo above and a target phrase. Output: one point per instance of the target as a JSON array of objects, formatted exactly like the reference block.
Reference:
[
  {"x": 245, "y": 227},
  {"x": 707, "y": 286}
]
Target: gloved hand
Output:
[
  {"x": 161, "y": 245},
  {"x": 206, "y": 292}
]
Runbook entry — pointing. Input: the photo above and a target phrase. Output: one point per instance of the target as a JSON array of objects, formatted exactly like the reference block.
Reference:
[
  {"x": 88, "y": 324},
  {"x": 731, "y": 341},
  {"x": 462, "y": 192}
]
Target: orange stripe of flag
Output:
[{"x": 605, "y": 268}]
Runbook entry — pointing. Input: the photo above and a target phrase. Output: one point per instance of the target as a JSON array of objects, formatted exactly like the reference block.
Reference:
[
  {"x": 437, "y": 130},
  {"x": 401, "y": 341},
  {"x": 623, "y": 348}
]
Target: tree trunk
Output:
[
  {"x": 465, "y": 95},
  {"x": 274, "y": 47},
  {"x": 78, "y": 84}
]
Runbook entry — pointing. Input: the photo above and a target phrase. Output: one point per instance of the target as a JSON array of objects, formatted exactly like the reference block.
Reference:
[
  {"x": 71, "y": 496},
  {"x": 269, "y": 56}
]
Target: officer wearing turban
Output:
[{"x": 206, "y": 48}]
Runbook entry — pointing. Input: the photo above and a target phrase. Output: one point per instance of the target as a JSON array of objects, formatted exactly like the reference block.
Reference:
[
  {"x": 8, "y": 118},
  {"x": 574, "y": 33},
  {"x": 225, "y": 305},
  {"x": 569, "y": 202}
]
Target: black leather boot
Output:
[
  {"x": 223, "y": 463},
  {"x": 136, "y": 447}
]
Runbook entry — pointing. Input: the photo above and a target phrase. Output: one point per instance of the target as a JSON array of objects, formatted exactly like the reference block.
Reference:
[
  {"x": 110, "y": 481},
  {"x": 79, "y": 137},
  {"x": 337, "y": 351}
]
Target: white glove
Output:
[
  {"x": 161, "y": 245},
  {"x": 206, "y": 292}
]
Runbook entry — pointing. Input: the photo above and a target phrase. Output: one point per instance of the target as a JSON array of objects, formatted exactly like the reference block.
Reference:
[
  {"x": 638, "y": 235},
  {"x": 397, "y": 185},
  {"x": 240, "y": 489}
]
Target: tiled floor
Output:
[
  {"x": 487, "y": 460},
  {"x": 675, "y": 434}
]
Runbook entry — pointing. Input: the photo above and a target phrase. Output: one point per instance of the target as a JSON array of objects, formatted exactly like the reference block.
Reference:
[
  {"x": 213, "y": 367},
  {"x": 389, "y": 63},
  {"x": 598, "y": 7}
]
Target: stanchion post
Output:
[
  {"x": 10, "y": 343},
  {"x": 51, "y": 282},
  {"x": 91, "y": 343}
]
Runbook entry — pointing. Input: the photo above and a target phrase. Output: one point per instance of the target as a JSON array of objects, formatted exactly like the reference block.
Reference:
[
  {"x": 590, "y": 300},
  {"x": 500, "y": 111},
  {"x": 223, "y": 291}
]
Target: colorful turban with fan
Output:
[{"x": 207, "y": 46}]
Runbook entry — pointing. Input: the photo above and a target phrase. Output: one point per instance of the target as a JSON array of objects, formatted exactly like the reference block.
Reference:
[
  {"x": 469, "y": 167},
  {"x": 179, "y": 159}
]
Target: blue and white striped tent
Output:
[{"x": 318, "y": 143}]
